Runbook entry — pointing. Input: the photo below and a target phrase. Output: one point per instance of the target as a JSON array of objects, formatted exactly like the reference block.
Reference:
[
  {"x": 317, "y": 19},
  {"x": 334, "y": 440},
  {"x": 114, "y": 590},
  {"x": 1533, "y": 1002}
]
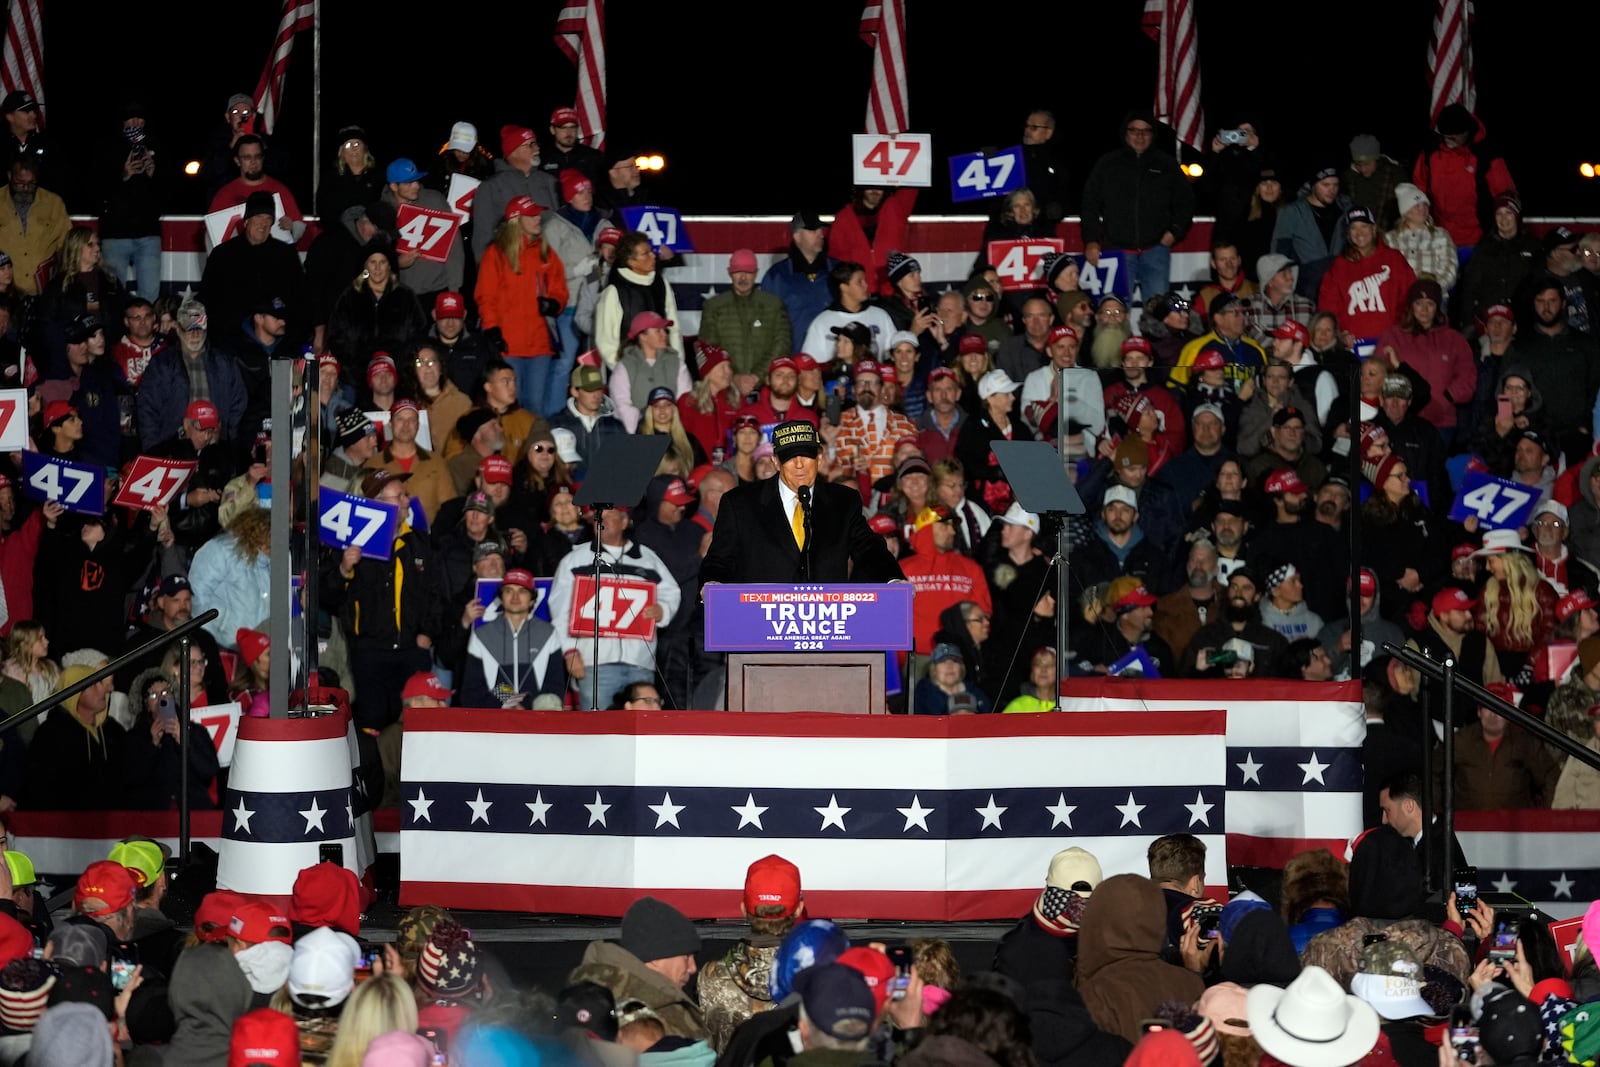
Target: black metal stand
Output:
[
  {"x": 184, "y": 645},
  {"x": 1448, "y": 801},
  {"x": 594, "y": 664}
]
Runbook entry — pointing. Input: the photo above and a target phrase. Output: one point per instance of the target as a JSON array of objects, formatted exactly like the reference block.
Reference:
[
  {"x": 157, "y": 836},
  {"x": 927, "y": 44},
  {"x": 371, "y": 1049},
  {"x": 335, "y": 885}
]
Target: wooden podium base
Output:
[{"x": 849, "y": 682}]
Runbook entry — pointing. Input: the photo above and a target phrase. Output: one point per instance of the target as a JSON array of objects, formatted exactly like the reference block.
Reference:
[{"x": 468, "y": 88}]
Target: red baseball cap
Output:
[
  {"x": 264, "y": 1036},
  {"x": 564, "y": 116},
  {"x": 772, "y": 880},
  {"x": 1498, "y": 311},
  {"x": 1209, "y": 359},
  {"x": 883, "y": 524},
  {"x": 108, "y": 882},
  {"x": 203, "y": 413},
  {"x": 804, "y": 361},
  {"x": 425, "y": 684},
  {"x": 940, "y": 372},
  {"x": 449, "y": 306},
  {"x": 782, "y": 363},
  {"x": 1574, "y": 602},
  {"x": 216, "y": 910},
  {"x": 607, "y": 235},
  {"x": 381, "y": 362},
  {"x": 1292, "y": 330},
  {"x": 1284, "y": 481},
  {"x": 1137, "y": 597},
  {"x": 1368, "y": 583},
  {"x": 873, "y": 966},
  {"x": 327, "y": 359},
  {"x": 1453, "y": 598},
  {"x": 57, "y": 410},
  {"x": 889, "y": 375},
  {"x": 524, "y": 205},
  {"x": 520, "y": 578},
  {"x": 402, "y": 404},
  {"x": 678, "y": 493},
  {"x": 255, "y": 921},
  {"x": 866, "y": 366},
  {"x": 514, "y": 137},
  {"x": 496, "y": 470},
  {"x": 1060, "y": 333},
  {"x": 971, "y": 342},
  {"x": 1136, "y": 344},
  {"x": 647, "y": 320}
]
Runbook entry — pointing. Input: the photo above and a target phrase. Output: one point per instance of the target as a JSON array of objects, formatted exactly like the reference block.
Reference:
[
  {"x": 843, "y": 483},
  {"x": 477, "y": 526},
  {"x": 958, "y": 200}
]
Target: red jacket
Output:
[
  {"x": 711, "y": 430},
  {"x": 1444, "y": 359},
  {"x": 17, "y": 552},
  {"x": 1449, "y": 177},
  {"x": 848, "y": 243},
  {"x": 942, "y": 580},
  {"x": 762, "y": 409},
  {"x": 509, "y": 301},
  {"x": 1368, "y": 295}
]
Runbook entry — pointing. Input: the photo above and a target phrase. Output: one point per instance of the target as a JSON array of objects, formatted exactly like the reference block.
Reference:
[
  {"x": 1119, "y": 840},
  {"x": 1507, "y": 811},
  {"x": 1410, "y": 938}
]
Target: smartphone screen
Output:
[
  {"x": 331, "y": 852},
  {"x": 1502, "y": 406},
  {"x": 1466, "y": 886},
  {"x": 1504, "y": 946}
]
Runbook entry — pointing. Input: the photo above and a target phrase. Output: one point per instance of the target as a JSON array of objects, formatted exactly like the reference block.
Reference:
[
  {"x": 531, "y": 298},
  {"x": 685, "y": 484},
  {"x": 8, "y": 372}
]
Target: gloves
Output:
[
  {"x": 496, "y": 342},
  {"x": 548, "y": 307}
]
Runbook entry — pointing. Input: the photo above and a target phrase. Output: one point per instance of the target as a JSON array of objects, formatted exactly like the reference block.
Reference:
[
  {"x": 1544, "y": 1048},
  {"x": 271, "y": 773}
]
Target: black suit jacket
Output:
[{"x": 752, "y": 541}]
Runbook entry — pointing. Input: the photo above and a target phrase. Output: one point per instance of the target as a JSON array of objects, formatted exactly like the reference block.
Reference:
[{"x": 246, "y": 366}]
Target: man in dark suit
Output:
[{"x": 763, "y": 532}]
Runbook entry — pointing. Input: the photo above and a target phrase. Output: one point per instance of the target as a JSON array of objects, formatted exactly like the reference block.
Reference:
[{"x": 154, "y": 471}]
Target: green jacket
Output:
[{"x": 754, "y": 329}]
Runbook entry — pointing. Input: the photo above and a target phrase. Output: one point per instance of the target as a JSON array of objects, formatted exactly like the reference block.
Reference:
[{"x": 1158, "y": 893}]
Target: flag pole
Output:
[{"x": 316, "y": 100}]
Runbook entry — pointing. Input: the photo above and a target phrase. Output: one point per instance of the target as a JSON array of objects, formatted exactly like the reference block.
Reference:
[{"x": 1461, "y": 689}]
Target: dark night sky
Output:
[{"x": 752, "y": 104}]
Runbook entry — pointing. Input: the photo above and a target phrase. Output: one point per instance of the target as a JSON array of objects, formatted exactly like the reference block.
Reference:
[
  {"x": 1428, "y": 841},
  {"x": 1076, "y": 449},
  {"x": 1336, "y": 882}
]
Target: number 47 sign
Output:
[
  {"x": 1497, "y": 504},
  {"x": 663, "y": 225},
  {"x": 979, "y": 177},
  {"x": 428, "y": 233},
  {"x": 622, "y": 603},
  {"x": 906, "y": 159},
  {"x": 152, "y": 483},
  {"x": 353, "y": 520}
]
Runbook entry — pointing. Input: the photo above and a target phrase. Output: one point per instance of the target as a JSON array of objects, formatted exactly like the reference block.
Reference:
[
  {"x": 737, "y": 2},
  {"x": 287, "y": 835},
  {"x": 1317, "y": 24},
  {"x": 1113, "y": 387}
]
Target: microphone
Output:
[{"x": 804, "y": 493}]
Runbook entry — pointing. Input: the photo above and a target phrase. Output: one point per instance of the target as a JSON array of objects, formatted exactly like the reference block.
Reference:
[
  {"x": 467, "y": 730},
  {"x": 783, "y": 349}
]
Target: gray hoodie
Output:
[
  {"x": 208, "y": 992},
  {"x": 1375, "y": 631}
]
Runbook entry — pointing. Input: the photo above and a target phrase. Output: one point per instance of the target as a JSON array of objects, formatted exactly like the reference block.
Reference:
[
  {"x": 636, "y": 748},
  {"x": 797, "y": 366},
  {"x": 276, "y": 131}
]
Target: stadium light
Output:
[
  {"x": 1588, "y": 170},
  {"x": 650, "y": 162},
  {"x": 192, "y": 167},
  {"x": 1193, "y": 170}
]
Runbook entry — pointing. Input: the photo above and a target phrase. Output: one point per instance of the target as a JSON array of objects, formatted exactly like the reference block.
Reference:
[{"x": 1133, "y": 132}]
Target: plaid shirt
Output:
[
  {"x": 857, "y": 439},
  {"x": 1430, "y": 252},
  {"x": 1261, "y": 317}
]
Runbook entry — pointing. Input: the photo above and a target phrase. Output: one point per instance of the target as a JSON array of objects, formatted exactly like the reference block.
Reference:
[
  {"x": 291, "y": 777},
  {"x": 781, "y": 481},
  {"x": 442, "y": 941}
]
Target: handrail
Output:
[
  {"x": 1534, "y": 725},
  {"x": 176, "y": 633}
]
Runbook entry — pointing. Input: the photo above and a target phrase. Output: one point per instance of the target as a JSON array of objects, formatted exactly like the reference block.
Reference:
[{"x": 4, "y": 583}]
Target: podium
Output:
[{"x": 808, "y": 647}]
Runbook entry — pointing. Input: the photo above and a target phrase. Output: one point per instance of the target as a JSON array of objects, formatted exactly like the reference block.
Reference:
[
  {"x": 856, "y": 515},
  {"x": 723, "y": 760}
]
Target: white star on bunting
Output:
[
  {"x": 539, "y": 809},
  {"x": 833, "y": 814},
  {"x": 1250, "y": 768},
  {"x": 1562, "y": 887},
  {"x": 597, "y": 810},
  {"x": 420, "y": 806},
  {"x": 1200, "y": 811},
  {"x": 313, "y": 817},
  {"x": 1061, "y": 812},
  {"x": 750, "y": 814},
  {"x": 242, "y": 816},
  {"x": 916, "y": 814},
  {"x": 1130, "y": 812},
  {"x": 480, "y": 809},
  {"x": 666, "y": 811},
  {"x": 1505, "y": 884},
  {"x": 1314, "y": 769},
  {"x": 991, "y": 815}
]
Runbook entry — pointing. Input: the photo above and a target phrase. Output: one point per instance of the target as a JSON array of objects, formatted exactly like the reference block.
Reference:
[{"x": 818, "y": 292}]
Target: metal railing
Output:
[{"x": 180, "y": 633}]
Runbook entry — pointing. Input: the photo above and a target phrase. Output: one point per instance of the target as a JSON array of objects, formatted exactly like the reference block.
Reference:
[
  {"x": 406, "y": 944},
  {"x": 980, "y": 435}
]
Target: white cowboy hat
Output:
[{"x": 1312, "y": 1023}]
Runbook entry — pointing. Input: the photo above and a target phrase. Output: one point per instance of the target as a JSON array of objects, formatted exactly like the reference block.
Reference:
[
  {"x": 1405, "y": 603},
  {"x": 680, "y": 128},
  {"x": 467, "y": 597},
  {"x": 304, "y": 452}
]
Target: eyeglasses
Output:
[
  {"x": 1554, "y": 524},
  {"x": 201, "y": 662},
  {"x": 982, "y": 298},
  {"x": 1114, "y": 313},
  {"x": 542, "y": 448},
  {"x": 1141, "y": 131},
  {"x": 648, "y": 700},
  {"x": 427, "y": 363},
  {"x": 241, "y": 111}
]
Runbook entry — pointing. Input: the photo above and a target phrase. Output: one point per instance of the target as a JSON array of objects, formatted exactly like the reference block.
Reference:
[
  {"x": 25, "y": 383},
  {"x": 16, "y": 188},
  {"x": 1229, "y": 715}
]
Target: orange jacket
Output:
[{"x": 510, "y": 301}]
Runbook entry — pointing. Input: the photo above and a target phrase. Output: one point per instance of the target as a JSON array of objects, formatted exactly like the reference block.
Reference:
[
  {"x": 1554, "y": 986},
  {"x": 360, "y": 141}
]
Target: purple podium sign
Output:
[{"x": 807, "y": 618}]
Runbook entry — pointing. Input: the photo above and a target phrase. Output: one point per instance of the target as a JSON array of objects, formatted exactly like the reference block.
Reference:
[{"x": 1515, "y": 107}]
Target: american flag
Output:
[
  {"x": 1450, "y": 58},
  {"x": 297, "y": 15},
  {"x": 22, "y": 58},
  {"x": 883, "y": 27},
  {"x": 1294, "y": 756},
  {"x": 921, "y": 817},
  {"x": 581, "y": 34},
  {"x": 1170, "y": 23}
]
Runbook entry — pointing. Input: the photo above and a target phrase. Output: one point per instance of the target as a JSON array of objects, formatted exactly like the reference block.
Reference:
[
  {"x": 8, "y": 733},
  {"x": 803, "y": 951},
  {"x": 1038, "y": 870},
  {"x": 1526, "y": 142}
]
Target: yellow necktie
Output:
[{"x": 798, "y": 523}]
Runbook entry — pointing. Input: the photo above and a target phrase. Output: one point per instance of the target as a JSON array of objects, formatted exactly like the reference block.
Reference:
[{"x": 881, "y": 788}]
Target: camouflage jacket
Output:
[
  {"x": 734, "y": 988},
  {"x": 611, "y": 965}
]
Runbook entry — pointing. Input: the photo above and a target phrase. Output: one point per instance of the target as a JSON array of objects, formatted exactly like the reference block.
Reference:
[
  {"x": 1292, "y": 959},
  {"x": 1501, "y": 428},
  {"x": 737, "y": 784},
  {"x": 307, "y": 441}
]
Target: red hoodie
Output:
[
  {"x": 1367, "y": 295},
  {"x": 942, "y": 580}
]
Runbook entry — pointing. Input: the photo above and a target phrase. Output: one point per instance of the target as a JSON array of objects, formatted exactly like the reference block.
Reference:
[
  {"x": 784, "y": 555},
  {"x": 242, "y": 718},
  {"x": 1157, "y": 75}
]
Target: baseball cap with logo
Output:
[
  {"x": 254, "y": 921},
  {"x": 564, "y": 116},
  {"x": 108, "y": 882},
  {"x": 587, "y": 379},
  {"x": 203, "y": 413},
  {"x": 1390, "y": 980},
  {"x": 1061, "y": 333},
  {"x": 1292, "y": 330},
  {"x": 772, "y": 881},
  {"x": 265, "y": 1037},
  {"x": 1453, "y": 598},
  {"x": 524, "y": 206},
  {"x": 1120, "y": 494},
  {"x": 797, "y": 437},
  {"x": 837, "y": 1000},
  {"x": 496, "y": 470},
  {"x": 1574, "y": 602},
  {"x": 56, "y": 411},
  {"x": 678, "y": 493},
  {"x": 449, "y": 306},
  {"x": 514, "y": 137},
  {"x": 520, "y": 578},
  {"x": 374, "y": 481},
  {"x": 143, "y": 859},
  {"x": 1128, "y": 592},
  {"x": 1285, "y": 480},
  {"x": 1210, "y": 358},
  {"x": 425, "y": 684}
]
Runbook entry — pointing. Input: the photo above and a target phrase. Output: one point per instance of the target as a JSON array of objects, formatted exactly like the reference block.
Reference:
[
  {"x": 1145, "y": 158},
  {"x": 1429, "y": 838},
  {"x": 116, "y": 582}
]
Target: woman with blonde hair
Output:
[
  {"x": 356, "y": 181},
  {"x": 1426, "y": 246},
  {"x": 26, "y": 660},
  {"x": 378, "y": 1005},
  {"x": 684, "y": 453},
  {"x": 85, "y": 287},
  {"x": 1517, "y": 608},
  {"x": 708, "y": 408},
  {"x": 521, "y": 284}
]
